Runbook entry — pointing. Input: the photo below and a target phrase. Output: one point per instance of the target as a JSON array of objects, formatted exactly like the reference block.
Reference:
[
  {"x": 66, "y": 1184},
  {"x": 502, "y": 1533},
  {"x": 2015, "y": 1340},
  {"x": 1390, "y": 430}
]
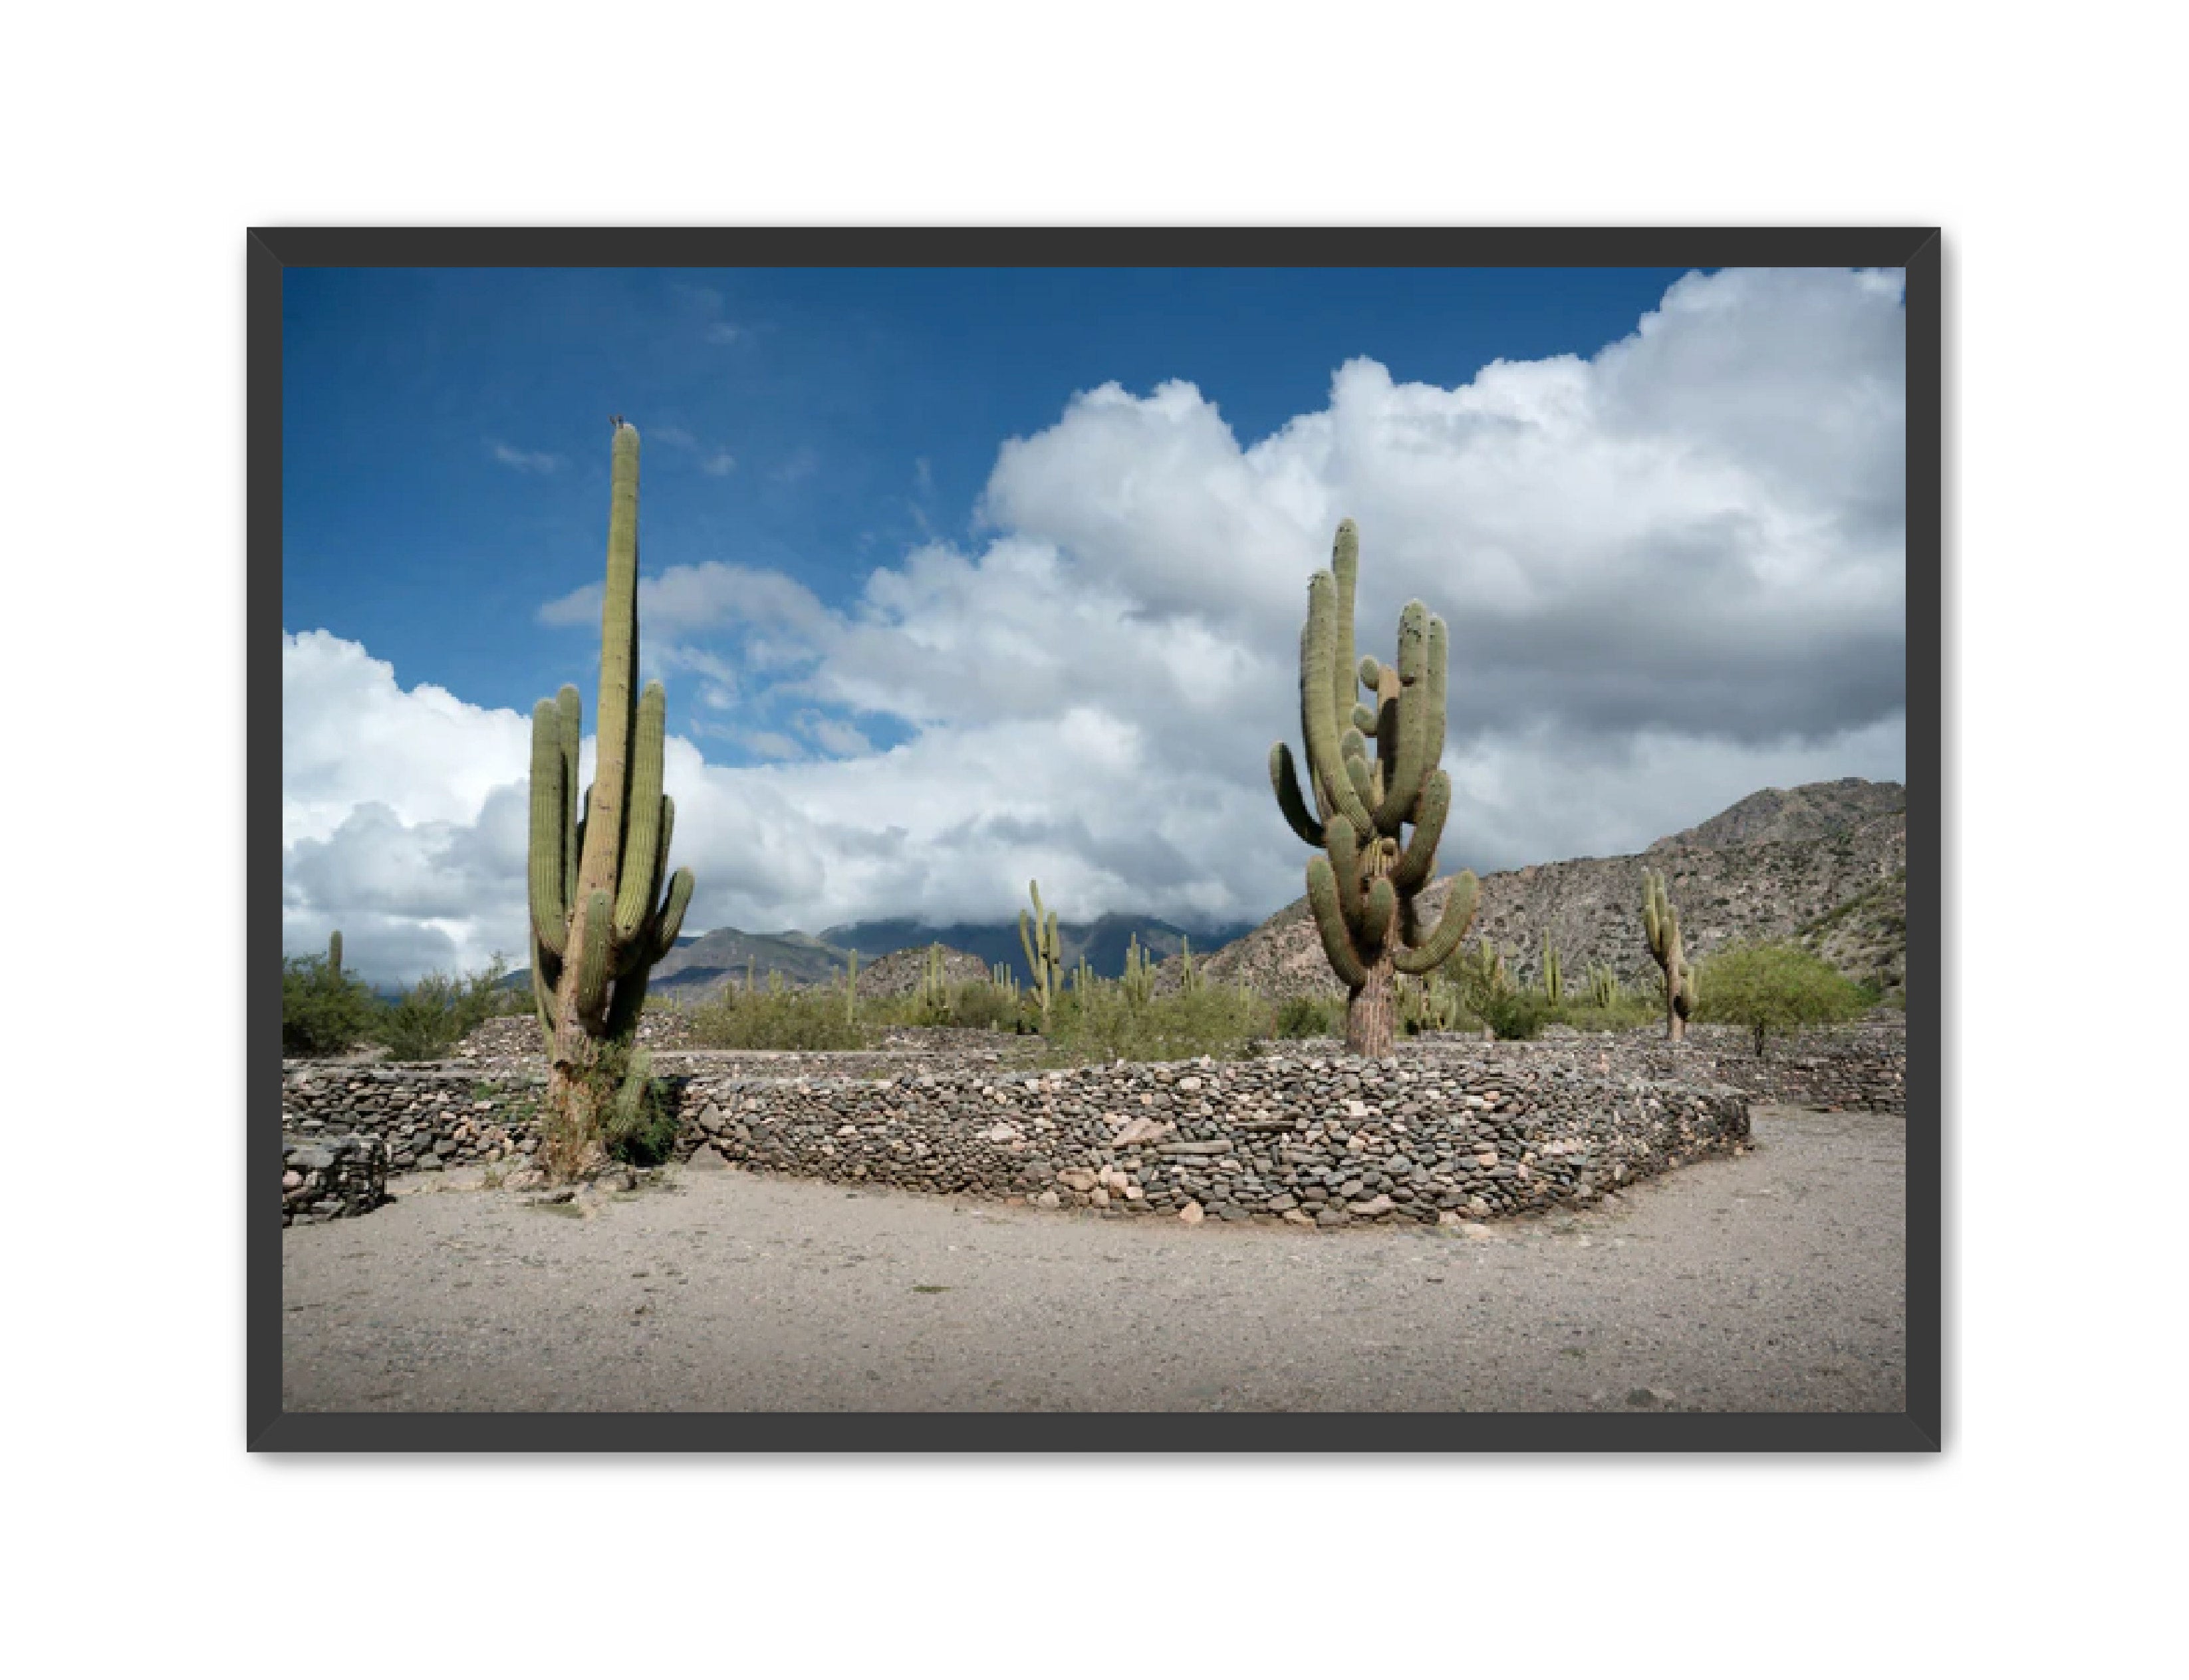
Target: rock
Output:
[
  {"x": 704, "y": 1159},
  {"x": 1141, "y": 1129},
  {"x": 291, "y": 1180},
  {"x": 1373, "y": 1208},
  {"x": 1076, "y": 1178},
  {"x": 1049, "y": 1198},
  {"x": 710, "y": 1119},
  {"x": 1191, "y": 1213},
  {"x": 1649, "y": 1398}
]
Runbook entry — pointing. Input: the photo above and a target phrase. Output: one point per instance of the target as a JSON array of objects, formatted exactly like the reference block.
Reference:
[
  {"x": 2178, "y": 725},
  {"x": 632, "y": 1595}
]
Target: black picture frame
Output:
[{"x": 1917, "y": 250}]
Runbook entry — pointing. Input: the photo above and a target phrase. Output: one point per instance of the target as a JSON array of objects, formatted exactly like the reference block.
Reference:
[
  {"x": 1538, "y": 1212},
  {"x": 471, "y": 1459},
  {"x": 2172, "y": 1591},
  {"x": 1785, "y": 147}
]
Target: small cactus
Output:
[
  {"x": 1045, "y": 953},
  {"x": 1603, "y": 988},
  {"x": 1660, "y": 923}
]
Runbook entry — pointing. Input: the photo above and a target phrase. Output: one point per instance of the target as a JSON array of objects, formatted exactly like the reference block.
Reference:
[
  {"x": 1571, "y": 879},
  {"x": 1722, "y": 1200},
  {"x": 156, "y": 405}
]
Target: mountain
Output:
[
  {"x": 705, "y": 962},
  {"x": 1825, "y": 865}
]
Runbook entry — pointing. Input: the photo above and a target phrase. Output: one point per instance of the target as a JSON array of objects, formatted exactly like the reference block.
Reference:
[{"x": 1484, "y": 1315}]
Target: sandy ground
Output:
[{"x": 1771, "y": 1282}]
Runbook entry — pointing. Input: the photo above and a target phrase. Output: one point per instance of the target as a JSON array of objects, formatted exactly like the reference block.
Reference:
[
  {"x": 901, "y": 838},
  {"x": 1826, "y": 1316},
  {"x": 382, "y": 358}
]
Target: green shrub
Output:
[
  {"x": 639, "y": 1124},
  {"x": 1107, "y": 1023},
  {"x": 1514, "y": 1014},
  {"x": 323, "y": 1011},
  {"x": 431, "y": 1018},
  {"x": 778, "y": 1020},
  {"x": 1310, "y": 1018},
  {"x": 1769, "y": 988}
]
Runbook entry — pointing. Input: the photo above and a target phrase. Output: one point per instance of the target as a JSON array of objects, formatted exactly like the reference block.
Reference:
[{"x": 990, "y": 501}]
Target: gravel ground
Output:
[{"x": 1771, "y": 1282}]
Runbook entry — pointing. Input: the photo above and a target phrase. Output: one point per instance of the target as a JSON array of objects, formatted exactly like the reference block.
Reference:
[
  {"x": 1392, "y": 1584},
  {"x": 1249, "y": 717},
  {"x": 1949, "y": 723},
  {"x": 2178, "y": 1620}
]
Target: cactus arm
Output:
[
  {"x": 1026, "y": 939},
  {"x": 671, "y": 920},
  {"x": 1334, "y": 788},
  {"x": 593, "y": 954},
  {"x": 1330, "y": 923},
  {"x": 544, "y": 858},
  {"x": 1433, "y": 701},
  {"x": 1377, "y": 908},
  {"x": 635, "y": 891},
  {"x": 629, "y": 1000},
  {"x": 1284, "y": 778},
  {"x": 1345, "y": 864},
  {"x": 1339, "y": 671},
  {"x": 1452, "y": 927},
  {"x": 1412, "y": 872},
  {"x": 1409, "y": 729},
  {"x": 569, "y": 716}
]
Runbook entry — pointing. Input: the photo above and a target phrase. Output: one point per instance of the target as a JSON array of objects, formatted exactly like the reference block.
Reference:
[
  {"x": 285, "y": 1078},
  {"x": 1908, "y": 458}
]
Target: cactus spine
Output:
[
  {"x": 604, "y": 906},
  {"x": 1660, "y": 922},
  {"x": 1045, "y": 953},
  {"x": 1554, "y": 974},
  {"x": 1365, "y": 888}
]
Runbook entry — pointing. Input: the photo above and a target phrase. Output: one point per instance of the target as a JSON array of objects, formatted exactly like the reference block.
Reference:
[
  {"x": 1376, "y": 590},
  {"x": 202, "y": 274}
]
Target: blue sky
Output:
[
  {"x": 445, "y": 431},
  {"x": 958, "y": 577}
]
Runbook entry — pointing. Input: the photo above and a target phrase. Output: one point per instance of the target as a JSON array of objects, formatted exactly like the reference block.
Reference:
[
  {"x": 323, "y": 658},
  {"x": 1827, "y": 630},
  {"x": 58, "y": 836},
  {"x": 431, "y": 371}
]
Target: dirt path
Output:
[{"x": 1769, "y": 1283}]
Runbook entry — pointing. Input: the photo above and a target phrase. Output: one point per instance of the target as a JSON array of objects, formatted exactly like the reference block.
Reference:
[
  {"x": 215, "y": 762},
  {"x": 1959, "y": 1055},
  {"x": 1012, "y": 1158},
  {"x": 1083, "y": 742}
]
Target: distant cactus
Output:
[
  {"x": 1045, "y": 953},
  {"x": 1139, "y": 976},
  {"x": 1431, "y": 1005},
  {"x": 1365, "y": 886},
  {"x": 604, "y": 906},
  {"x": 1660, "y": 922},
  {"x": 851, "y": 990},
  {"x": 1554, "y": 976},
  {"x": 334, "y": 952},
  {"x": 935, "y": 999},
  {"x": 1189, "y": 976},
  {"x": 1603, "y": 988}
]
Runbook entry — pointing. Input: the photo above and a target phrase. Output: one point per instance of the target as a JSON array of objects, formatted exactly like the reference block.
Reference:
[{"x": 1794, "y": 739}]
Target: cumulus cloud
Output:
[{"x": 1673, "y": 573}]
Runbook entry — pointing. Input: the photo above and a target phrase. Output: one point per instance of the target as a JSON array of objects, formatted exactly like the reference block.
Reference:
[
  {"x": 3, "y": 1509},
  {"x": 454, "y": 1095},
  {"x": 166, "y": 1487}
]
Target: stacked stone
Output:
[
  {"x": 331, "y": 1178},
  {"x": 1441, "y": 1133},
  {"x": 429, "y": 1117},
  {"x": 1862, "y": 1067}
]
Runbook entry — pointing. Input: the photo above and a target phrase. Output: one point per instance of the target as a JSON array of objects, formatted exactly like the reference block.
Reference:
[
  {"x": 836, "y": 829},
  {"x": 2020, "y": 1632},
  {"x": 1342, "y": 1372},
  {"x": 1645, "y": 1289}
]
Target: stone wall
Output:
[
  {"x": 1861, "y": 1067},
  {"x": 1441, "y": 1132},
  {"x": 331, "y": 1178}
]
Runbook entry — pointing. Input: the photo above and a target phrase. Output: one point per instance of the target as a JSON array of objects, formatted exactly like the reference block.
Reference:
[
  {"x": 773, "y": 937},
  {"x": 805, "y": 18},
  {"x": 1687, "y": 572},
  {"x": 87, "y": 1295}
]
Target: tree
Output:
[
  {"x": 323, "y": 1011},
  {"x": 1777, "y": 987},
  {"x": 1364, "y": 887}
]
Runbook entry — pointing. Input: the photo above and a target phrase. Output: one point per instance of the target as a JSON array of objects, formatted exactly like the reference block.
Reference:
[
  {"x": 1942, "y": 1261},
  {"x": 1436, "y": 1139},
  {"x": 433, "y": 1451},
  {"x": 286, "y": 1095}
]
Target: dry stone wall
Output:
[
  {"x": 331, "y": 1178},
  {"x": 1445, "y": 1131}
]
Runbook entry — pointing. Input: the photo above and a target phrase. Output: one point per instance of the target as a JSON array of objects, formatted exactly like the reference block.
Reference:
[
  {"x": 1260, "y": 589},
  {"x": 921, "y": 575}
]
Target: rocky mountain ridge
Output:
[{"x": 1825, "y": 865}]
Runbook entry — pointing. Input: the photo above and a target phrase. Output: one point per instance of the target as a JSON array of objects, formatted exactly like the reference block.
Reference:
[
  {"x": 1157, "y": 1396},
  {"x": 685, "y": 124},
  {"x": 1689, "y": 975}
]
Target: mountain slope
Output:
[{"x": 1825, "y": 864}]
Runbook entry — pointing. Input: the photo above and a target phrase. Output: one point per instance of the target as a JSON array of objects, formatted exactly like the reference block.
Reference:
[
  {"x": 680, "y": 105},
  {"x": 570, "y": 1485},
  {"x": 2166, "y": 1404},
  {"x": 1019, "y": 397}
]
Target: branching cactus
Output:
[
  {"x": 1365, "y": 887},
  {"x": 1603, "y": 990},
  {"x": 1045, "y": 953},
  {"x": 1554, "y": 974},
  {"x": 1138, "y": 979},
  {"x": 604, "y": 906},
  {"x": 1188, "y": 977},
  {"x": 1661, "y": 921}
]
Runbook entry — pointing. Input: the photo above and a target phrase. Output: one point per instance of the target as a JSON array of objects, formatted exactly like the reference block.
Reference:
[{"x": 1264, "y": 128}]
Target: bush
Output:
[
  {"x": 638, "y": 1123},
  {"x": 1515, "y": 1015},
  {"x": 1102, "y": 1023},
  {"x": 1775, "y": 988},
  {"x": 324, "y": 1012},
  {"x": 1311, "y": 1018},
  {"x": 775, "y": 1020},
  {"x": 431, "y": 1018}
]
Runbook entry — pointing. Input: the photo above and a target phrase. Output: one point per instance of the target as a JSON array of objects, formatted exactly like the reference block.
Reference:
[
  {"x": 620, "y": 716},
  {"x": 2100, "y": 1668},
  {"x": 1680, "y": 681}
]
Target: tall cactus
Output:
[
  {"x": 1364, "y": 890},
  {"x": 604, "y": 906},
  {"x": 334, "y": 952},
  {"x": 1554, "y": 974},
  {"x": 1045, "y": 953},
  {"x": 1139, "y": 978},
  {"x": 1660, "y": 922}
]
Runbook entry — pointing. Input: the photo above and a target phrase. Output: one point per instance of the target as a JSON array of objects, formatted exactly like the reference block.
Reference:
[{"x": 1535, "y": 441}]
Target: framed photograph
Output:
[{"x": 1094, "y": 839}]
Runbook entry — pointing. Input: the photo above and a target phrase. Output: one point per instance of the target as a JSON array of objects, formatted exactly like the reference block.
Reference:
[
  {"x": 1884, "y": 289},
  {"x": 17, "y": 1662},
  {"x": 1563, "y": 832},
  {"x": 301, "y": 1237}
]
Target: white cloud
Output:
[
  {"x": 1672, "y": 572},
  {"x": 723, "y": 332},
  {"x": 525, "y": 460},
  {"x": 719, "y": 465}
]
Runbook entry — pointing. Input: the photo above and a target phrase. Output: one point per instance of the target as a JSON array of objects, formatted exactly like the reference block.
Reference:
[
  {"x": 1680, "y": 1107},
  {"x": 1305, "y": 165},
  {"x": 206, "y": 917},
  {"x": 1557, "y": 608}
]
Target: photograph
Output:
[{"x": 1110, "y": 840}]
